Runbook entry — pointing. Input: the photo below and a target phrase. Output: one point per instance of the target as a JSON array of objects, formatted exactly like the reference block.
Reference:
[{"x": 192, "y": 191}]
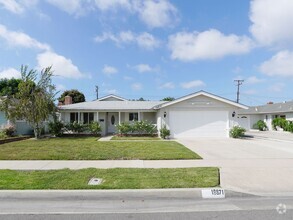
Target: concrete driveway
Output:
[{"x": 255, "y": 165}]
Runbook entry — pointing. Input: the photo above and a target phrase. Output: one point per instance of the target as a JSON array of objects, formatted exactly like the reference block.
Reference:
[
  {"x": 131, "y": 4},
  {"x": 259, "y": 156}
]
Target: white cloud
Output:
[
  {"x": 144, "y": 40},
  {"x": 156, "y": 13},
  {"x": 75, "y": 7},
  {"x": 61, "y": 65},
  {"x": 167, "y": 85},
  {"x": 113, "y": 4},
  {"x": 136, "y": 86},
  {"x": 192, "y": 84},
  {"x": 280, "y": 64},
  {"x": 277, "y": 87},
  {"x": 10, "y": 73},
  {"x": 109, "y": 70},
  {"x": 12, "y": 6},
  {"x": 272, "y": 21},
  {"x": 20, "y": 39},
  {"x": 142, "y": 68},
  {"x": 211, "y": 44},
  {"x": 253, "y": 80}
]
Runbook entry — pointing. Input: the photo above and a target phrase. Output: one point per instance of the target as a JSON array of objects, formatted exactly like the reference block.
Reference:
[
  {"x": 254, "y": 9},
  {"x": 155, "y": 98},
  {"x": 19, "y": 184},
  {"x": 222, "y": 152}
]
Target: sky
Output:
[{"x": 153, "y": 48}]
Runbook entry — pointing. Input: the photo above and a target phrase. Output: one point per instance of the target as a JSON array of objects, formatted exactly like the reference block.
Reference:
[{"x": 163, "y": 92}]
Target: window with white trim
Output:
[{"x": 133, "y": 116}]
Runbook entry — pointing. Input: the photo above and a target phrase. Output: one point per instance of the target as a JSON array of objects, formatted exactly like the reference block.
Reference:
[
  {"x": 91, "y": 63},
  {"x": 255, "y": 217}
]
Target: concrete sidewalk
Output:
[{"x": 266, "y": 177}]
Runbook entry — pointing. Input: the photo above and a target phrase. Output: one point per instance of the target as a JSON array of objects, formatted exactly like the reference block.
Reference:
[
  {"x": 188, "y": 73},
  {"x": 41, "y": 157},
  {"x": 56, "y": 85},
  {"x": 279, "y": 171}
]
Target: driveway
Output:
[
  {"x": 262, "y": 166},
  {"x": 272, "y": 135}
]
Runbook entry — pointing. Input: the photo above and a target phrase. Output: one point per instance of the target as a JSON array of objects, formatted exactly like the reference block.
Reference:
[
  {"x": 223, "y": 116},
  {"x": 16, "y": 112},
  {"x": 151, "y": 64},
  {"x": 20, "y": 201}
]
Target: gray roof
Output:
[
  {"x": 112, "y": 105},
  {"x": 269, "y": 108}
]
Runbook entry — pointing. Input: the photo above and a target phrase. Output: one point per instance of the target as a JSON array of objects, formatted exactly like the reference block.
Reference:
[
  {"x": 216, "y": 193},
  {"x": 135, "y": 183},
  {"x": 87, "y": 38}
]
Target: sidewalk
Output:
[{"x": 266, "y": 177}]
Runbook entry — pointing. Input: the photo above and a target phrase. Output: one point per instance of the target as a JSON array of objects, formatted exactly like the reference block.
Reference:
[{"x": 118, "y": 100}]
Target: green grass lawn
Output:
[
  {"x": 91, "y": 149},
  {"x": 119, "y": 178},
  {"x": 117, "y": 138}
]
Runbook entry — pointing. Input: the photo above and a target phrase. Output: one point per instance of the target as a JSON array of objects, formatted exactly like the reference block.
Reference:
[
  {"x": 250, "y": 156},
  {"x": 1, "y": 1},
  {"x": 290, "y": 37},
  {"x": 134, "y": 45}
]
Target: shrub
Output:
[
  {"x": 124, "y": 128},
  {"x": 3, "y": 135},
  {"x": 140, "y": 127},
  {"x": 164, "y": 132},
  {"x": 56, "y": 128},
  {"x": 279, "y": 122},
  {"x": 237, "y": 132},
  {"x": 261, "y": 125},
  {"x": 289, "y": 126},
  {"x": 9, "y": 130},
  {"x": 76, "y": 127},
  {"x": 95, "y": 128}
]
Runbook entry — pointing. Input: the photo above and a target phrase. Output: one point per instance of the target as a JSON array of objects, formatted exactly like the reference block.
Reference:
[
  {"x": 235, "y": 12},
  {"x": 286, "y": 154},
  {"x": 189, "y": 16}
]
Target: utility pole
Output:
[
  {"x": 239, "y": 83},
  {"x": 97, "y": 91}
]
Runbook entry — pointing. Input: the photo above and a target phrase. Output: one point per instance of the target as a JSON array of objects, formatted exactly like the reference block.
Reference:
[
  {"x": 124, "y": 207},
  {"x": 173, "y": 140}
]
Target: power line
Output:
[{"x": 239, "y": 83}]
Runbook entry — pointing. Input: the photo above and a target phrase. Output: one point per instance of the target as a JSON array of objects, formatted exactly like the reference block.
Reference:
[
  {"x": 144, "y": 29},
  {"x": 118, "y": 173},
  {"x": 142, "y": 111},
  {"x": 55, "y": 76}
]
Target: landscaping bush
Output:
[
  {"x": 279, "y": 122},
  {"x": 95, "y": 128},
  {"x": 124, "y": 128},
  {"x": 76, "y": 127},
  {"x": 261, "y": 125},
  {"x": 289, "y": 126},
  {"x": 138, "y": 127},
  {"x": 237, "y": 132},
  {"x": 3, "y": 135},
  {"x": 9, "y": 130},
  {"x": 56, "y": 128},
  {"x": 164, "y": 132}
]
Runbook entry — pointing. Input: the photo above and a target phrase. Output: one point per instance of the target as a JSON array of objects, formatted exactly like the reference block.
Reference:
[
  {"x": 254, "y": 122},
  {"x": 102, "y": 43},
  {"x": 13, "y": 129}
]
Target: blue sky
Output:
[{"x": 153, "y": 48}]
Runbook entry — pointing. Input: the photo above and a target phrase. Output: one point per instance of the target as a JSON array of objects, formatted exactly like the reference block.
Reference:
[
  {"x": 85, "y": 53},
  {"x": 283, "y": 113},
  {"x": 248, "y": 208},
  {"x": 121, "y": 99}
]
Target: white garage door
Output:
[{"x": 190, "y": 124}]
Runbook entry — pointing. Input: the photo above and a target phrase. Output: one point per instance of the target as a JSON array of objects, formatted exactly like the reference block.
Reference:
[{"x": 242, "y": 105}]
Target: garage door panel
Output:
[{"x": 188, "y": 124}]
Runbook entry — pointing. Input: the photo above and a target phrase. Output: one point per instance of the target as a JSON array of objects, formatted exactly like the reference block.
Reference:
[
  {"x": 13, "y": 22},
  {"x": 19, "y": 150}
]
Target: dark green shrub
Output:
[
  {"x": 289, "y": 126},
  {"x": 237, "y": 132},
  {"x": 261, "y": 125},
  {"x": 95, "y": 128},
  {"x": 56, "y": 128},
  {"x": 279, "y": 122},
  {"x": 164, "y": 132}
]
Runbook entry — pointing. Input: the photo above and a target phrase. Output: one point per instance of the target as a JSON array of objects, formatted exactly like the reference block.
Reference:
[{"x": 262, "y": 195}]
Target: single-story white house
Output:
[
  {"x": 200, "y": 114},
  {"x": 248, "y": 117}
]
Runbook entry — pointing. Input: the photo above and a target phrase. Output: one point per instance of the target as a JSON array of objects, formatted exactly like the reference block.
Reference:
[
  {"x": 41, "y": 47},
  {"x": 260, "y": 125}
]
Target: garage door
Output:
[{"x": 190, "y": 124}]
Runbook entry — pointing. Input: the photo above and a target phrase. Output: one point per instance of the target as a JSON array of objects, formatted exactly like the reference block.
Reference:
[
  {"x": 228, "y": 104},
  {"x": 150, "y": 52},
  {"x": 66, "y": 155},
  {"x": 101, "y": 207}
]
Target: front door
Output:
[{"x": 112, "y": 122}]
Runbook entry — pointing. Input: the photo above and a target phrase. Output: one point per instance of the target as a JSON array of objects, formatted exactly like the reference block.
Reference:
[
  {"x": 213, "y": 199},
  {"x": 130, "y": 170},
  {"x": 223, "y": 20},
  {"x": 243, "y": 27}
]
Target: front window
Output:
[
  {"x": 88, "y": 117},
  {"x": 133, "y": 116},
  {"x": 73, "y": 117}
]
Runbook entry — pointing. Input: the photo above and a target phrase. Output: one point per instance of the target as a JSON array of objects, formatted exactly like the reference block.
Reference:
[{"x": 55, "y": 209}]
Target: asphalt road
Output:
[
  {"x": 144, "y": 207},
  {"x": 225, "y": 215}
]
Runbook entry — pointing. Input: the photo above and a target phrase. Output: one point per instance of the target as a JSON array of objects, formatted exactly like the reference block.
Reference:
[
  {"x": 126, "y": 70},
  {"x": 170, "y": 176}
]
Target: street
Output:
[{"x": 144, "y": 207}]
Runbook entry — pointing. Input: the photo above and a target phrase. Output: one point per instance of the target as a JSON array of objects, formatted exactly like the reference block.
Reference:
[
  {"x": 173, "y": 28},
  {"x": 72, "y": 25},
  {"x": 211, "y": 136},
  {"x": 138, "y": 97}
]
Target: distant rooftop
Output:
[{"x": 269, "y": 108}]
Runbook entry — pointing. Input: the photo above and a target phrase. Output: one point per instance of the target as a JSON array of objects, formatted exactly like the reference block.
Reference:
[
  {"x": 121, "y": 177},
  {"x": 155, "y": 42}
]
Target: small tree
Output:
[
  {"x": 76, "y": 96},
  {"x": 34, "y": 101},
  {"x": 164, "y": 132}
]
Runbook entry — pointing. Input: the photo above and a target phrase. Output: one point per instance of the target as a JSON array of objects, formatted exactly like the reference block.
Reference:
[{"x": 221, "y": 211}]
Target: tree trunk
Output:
[{"x": 37, "y": 131}]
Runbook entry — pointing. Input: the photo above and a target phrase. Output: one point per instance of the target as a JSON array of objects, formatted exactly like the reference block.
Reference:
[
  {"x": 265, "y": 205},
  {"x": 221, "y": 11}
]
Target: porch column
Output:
[
  {"x": 119, "y": 118},
  {"x": 138, "y": 113},
  {"x": 97, "y": 116},
  {"x": 78, "y": 117}
]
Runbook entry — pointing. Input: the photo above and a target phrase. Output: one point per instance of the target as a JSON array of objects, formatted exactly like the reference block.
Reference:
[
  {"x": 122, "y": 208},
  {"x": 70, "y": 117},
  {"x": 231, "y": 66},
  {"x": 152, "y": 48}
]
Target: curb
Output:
[{"x": 112, "y": 194}]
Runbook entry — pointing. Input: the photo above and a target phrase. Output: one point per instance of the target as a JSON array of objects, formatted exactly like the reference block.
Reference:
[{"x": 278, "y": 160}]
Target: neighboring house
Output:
[
  {"x": 22, "y": 127},
  {"x": 247, "y": 118},
  {"x": 200, "y": 114}
]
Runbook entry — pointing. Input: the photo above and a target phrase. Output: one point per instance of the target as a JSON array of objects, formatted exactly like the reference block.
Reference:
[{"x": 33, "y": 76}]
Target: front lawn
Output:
[
  {"x": 119, "y": 178},
  {"x": 124, "y": 138},
  {"x": 91, "y": 149}
]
